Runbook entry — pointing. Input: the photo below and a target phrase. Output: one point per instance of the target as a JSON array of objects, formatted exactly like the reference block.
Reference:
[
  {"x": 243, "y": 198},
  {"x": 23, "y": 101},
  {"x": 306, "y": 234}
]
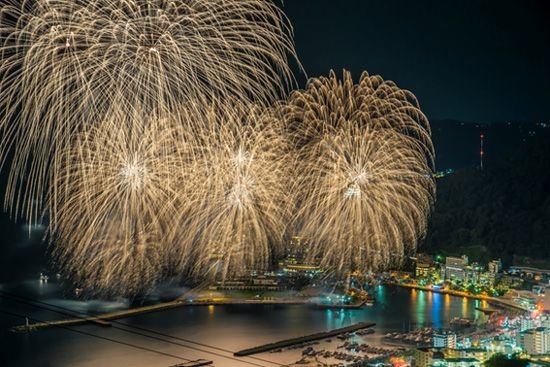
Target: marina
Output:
[{"x": 303, "y": 339}]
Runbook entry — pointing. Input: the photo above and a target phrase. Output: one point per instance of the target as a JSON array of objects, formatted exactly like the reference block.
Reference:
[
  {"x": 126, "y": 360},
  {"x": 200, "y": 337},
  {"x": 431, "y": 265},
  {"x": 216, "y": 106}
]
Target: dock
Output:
[
  {"x": 105, "y": 318},
  {"x": 303, "y": 339},
  {"x": 340, "y": 306},
  {"x": 488, "y": 310},
  {"x": 197, "y": 363}
]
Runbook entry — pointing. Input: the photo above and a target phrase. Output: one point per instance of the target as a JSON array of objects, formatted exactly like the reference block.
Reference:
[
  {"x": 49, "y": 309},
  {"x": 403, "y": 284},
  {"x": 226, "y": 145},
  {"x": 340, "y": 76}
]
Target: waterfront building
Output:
[
  {"x": 487, "y": 278},
  {"x": 511, "y": 281},
  {"x": 535, "y": 341},
  {"x": 250, "y": 283},
  {"x": 301, "y": 270},
  {"x": 457, "y": 362},
  {"x": 494, "y": 266},
  {"x": 444, "y": 339},
  {"x": 422, "y": 271},
  {"x": 479, "y": 354},
  {"x": 426, "y": 269},
  {"x": 526, "y": 323},
  {"x": 464, "y": 342},
  {"x": 424, "y": 357},
  {"x": 503, "y": 345},
  {"x": 455, "y": 267},
  {"x": 294, "y": 262},
  {"x": 473, "y": 272}
]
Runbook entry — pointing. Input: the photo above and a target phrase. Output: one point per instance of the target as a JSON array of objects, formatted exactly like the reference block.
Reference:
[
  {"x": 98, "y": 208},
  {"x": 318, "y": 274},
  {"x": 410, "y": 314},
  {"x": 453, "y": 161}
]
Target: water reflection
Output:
[
  {"x": 436, "y": 309},
  {"x": 234, "y": 327}
]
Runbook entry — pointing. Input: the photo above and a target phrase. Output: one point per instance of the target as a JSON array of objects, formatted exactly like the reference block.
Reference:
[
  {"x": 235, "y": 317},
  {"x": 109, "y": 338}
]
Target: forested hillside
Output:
[{"x": 500, "y": 211}]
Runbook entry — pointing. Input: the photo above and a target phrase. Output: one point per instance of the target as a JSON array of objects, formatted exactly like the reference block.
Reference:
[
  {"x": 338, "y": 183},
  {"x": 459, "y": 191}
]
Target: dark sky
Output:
[{"x": 471, "y": 60}]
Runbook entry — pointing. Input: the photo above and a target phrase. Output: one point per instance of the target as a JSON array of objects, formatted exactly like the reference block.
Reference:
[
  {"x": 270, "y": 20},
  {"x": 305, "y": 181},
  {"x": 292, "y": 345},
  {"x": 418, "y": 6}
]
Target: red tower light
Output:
[{"x": 481, "y": 152}]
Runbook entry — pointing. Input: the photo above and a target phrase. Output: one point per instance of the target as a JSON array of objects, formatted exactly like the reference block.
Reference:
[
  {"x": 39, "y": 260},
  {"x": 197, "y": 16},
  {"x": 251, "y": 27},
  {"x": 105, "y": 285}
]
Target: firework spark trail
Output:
[
  {"x": 365, "y": 185},
  {"x": 240, "y": 208},
  {"x": 67, "y": 64},
  {"x": 132, "y": 121},
  {"x": 118, "y": 197}
]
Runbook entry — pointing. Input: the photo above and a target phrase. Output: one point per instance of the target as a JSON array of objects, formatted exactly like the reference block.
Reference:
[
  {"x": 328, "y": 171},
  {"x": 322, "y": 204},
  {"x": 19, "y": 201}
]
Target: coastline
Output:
[
  {"x": 105, "y": 318},
  {"x": 497, "y": 300}
]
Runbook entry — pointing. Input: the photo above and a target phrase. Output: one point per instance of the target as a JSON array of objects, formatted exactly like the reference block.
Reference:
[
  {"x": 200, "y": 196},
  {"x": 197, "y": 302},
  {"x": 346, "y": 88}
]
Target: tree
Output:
[{"x": 502, "y": 360}]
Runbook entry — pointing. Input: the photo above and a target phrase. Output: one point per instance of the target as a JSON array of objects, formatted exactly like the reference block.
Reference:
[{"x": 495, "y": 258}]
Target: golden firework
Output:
[
  {"x": 240, "y": 208},
  {"x": 117, "y": 197},
  {"x": 66, "y": 64},
  {"x": 365, "y": 185}
]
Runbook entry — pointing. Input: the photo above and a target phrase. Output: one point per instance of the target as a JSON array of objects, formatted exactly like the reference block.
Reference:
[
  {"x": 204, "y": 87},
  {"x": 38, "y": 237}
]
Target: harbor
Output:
[{"x": 303, "y": 339}]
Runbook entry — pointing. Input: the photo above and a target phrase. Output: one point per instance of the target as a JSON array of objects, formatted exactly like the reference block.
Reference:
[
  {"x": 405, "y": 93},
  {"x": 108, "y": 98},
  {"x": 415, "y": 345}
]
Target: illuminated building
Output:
[
  {"x": 479, "y": 354},
  {"x": 526, "y": 323},
  {"x": 294, "y": 262},
  {"x": 444, "y": 339},
  {"x": 423, "y": 357},
  {"x": 422, "y": 270},
  {"x": 455, "y": 267},
  {"x": 535, "y": 341},
  {"x": 495, "y": 266},
  {"x": 457, "y": 362}
]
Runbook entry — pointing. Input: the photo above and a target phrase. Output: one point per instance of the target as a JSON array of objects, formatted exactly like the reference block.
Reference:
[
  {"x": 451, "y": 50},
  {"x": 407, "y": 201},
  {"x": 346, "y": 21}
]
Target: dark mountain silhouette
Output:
[{"x": 502, "y": 211}]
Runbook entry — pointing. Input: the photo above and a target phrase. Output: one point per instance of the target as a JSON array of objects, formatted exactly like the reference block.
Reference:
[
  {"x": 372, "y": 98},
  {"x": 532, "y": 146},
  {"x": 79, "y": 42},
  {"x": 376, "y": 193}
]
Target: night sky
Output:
[{"x": 470, "y": 60}]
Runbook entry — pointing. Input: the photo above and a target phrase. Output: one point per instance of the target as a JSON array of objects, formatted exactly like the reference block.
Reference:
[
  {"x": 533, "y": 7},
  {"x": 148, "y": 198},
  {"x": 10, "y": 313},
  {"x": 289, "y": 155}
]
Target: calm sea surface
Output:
[{"x": 215, "y": 330}]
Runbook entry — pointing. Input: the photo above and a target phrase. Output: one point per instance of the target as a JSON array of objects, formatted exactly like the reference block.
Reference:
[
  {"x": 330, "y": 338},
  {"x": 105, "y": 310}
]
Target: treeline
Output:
[{"x": 502, "y": 211}]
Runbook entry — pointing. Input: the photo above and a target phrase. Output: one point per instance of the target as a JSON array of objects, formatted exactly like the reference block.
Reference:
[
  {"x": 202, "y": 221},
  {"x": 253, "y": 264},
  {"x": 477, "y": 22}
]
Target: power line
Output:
[
  {"x": 72, "y": 313},
  {"x": 100, "y": 337}
]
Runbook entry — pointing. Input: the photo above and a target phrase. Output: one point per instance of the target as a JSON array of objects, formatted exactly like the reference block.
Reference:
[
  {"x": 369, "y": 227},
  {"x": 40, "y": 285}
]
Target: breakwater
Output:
[{"x": 303, "y": 339}]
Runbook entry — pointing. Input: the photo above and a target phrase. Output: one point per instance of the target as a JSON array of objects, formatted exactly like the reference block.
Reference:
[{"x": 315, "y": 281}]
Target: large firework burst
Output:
[
  {"x": 66, "y": 64},
  {"x": 365, "y": 164},
  {"x": 240, "y": 209},
  {"x": 116, "y": 200}
]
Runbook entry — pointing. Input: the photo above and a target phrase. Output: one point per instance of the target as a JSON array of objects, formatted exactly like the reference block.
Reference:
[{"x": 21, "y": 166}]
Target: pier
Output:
[
  {"x": 197, "y": 363},
  {"x": 103, "y": 319},
  {"x": 488, "y": 310},
  {"x": 303, "y": 339}
]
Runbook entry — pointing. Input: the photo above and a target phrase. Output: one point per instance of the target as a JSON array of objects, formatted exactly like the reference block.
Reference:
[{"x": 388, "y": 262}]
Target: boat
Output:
[{"x": 460, "y": 321}]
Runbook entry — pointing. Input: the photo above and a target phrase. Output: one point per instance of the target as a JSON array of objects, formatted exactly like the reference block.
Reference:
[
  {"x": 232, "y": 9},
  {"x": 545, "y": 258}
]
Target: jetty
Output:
[
  {"x": 105, "y": 318},
  {"x": 340, "y": 306},
  {"x": 303, "y": 339},
  {"x": 488, "y": 310},
  {"x": 197, "y": 363}
]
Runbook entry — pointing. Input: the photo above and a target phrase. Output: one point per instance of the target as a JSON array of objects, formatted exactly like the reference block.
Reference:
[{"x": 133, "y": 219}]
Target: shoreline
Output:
[
  {"x": 104, "y": 319},
  {"x": 498, "y": 300}
]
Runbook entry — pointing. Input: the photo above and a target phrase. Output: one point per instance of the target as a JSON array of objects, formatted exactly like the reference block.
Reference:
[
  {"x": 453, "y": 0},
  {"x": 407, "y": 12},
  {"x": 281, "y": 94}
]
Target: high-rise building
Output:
[
  {"x": 526, "y": 323},
  {"x": 535, "y": 341},
  {"x": 458, "y": 362},
  {"x": 444, "y": 339},
  {"x": 473, "y": 272},
  {"x": 422, "y": 270},
  {"x": 495, "y": 266},
  {"x": 455, "y": 267},
  {"x": 424, "y": 357}
]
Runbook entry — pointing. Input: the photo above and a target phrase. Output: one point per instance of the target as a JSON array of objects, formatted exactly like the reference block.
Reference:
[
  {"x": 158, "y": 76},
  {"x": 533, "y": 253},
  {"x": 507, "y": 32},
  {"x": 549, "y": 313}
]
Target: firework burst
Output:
[
  {"x": 117, "y": 196},
  {"x": 365, "y": 164},
  {"x": 240, "y": 209},
  {"x": 67, "y": 64}
]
